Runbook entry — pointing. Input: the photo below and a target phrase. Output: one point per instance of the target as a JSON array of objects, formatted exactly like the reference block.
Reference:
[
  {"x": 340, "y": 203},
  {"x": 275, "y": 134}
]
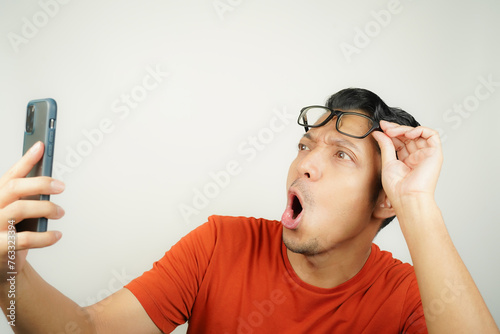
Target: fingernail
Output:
[
  {"x": 57, "y": 185},
  {"x": 35, "y": 148},
  {"x": 58, "y": 235},
  {"x": 60, "y": 211}
]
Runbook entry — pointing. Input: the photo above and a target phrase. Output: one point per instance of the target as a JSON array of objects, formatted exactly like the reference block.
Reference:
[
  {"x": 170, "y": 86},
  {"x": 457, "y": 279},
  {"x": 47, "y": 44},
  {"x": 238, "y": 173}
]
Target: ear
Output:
[{"x": 383, "y": 208}]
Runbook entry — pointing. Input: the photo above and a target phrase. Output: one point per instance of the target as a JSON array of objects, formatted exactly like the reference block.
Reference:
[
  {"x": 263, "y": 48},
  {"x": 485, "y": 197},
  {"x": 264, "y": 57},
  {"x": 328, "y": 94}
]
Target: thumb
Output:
[{"x": 387, "y": 149}]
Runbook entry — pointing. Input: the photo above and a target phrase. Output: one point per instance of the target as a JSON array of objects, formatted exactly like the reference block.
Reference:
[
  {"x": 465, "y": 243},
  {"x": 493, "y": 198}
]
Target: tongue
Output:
[{"x": 288, "y": 219}]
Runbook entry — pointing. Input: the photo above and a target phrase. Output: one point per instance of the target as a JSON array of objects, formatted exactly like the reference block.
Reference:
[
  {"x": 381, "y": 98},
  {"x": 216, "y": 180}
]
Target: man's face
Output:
[{"x": 332, "y": 185}]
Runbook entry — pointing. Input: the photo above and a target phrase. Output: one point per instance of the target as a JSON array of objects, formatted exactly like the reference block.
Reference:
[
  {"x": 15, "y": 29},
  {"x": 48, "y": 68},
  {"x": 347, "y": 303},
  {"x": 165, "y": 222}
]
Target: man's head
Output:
[{"x": 334, "y": 186}]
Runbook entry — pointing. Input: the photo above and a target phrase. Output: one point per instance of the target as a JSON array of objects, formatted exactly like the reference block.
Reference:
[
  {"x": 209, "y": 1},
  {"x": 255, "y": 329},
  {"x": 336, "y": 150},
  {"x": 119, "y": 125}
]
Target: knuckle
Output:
[
  {"x": 45, "y": 179},
  {"x": 49, "y": 210},
  {"x": 13, "y": 210},
  {"x": 20, "y": 209},
  {"x": 52, "y": 210},
  {"x": 10, "y": 174},
  {"x": 12, "y": 186},
  {"x": 23, "y": 240},
  {"x": 45, "y": 184}
]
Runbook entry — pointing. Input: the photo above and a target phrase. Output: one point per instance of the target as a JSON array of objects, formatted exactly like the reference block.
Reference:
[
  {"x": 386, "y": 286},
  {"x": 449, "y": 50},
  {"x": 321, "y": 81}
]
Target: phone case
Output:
[{"x": 41, "y": 118}]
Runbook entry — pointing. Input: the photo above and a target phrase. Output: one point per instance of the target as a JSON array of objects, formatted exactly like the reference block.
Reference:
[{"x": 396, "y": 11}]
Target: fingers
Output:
[
  {"x": 397, "y": 130},
  {"x": 24, "y": 165},
  {"x": 28, "y": 240},
  {"x": 23, "y": 187},
  {"x": 20, "y": 210},
  {"x": 412, "y": 138},
  {"x": 387, "y": 148},
  {"x": 417, "y": 157},
  {"x": 402, "y": 152}
]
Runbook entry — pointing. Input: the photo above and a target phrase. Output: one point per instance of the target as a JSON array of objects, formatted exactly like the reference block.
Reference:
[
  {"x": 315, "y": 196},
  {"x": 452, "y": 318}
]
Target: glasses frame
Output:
[{"x": 339, "y": 114}]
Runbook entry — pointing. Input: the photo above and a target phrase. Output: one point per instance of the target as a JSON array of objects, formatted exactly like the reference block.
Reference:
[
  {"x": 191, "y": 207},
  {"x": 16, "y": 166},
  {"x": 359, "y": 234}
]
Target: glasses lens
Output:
[
  {"x": 313, "y": 116},
  {"x": 354, "y": 125}
]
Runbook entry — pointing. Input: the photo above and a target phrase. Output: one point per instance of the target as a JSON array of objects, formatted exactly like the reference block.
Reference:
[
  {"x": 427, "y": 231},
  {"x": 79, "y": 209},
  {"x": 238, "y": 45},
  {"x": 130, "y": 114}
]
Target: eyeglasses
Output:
[{"x": 351, "y": 124}]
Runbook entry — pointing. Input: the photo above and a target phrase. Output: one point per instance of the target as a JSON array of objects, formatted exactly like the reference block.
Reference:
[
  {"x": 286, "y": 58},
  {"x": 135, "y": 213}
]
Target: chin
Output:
[{"x": 307, "y": 248}]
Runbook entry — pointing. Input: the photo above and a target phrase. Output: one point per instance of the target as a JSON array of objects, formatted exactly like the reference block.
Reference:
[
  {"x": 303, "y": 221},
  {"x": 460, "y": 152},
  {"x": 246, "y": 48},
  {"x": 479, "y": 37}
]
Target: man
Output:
[{"x": 316, "y": 271}]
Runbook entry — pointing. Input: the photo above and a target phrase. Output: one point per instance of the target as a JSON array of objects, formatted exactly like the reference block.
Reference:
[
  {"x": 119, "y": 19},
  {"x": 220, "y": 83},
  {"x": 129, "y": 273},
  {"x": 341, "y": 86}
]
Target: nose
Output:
[{"x": 310, "y": 166}]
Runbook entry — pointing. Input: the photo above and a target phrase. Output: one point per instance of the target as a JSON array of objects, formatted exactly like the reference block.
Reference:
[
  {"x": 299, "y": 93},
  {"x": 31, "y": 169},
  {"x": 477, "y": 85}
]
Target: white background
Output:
[{"x": 230, "y": 69}]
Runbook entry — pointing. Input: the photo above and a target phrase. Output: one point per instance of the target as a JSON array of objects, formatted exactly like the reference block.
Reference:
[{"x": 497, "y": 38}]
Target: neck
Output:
[{"x": 331, "y": 268}]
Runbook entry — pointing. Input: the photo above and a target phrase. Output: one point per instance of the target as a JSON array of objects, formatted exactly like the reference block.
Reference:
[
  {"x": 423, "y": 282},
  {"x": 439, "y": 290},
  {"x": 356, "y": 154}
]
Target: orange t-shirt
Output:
[{"x": 232, "y": 275}]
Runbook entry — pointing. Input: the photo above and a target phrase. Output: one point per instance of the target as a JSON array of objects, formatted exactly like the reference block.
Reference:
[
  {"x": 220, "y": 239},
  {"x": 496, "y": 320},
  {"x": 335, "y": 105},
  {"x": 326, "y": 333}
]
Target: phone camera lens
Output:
[{"x": 29, "y": 119}]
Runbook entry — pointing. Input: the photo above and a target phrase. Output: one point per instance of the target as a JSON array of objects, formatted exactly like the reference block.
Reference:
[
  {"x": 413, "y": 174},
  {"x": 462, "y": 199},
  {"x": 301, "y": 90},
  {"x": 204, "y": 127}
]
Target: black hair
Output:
[{"x": 362, "y": 99}]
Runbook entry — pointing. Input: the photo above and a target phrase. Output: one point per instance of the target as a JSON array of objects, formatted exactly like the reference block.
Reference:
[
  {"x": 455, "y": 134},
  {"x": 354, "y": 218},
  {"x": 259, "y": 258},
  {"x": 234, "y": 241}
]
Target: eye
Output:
[
  {"x": 342, "y": 155},
  {"x": 302, "y": 147}
]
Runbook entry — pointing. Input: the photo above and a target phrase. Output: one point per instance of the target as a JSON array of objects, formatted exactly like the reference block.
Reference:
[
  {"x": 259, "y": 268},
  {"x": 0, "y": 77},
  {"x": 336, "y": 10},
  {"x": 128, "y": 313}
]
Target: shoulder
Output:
[
  {"x": 248, "y": 231},
  {"x": 230, "y": 230},
  {"x": 392, "y": 268},
  {"x": 241, "y": 220},
  {"x": 400, "y": 281},
  {"x": 386, "y": 258},
  {"x": 235, "y": 224},
  {"x": 393, "y": 277}
]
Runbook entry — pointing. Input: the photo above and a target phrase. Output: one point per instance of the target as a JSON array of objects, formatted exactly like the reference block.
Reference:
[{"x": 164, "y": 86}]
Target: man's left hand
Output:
[{"x": 415, "y": 169}]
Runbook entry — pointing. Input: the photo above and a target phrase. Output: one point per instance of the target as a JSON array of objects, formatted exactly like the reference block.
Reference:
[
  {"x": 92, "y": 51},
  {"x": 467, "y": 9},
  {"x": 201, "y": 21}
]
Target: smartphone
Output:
[{"x": 41, "y": 117}]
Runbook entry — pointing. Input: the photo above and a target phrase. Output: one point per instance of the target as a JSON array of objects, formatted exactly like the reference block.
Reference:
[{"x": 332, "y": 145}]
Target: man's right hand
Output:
[
  {"x": 13, "y": 187},
  {"x": 42, "y": 307}
]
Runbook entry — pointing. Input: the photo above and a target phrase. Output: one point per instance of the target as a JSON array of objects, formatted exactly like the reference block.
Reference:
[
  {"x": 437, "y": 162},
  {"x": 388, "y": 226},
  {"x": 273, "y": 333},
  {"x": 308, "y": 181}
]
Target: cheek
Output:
[
  {"x": 347, "y": 196},
  {"x": 339, "y": 217},
  {"x": 292, "y": 173}
]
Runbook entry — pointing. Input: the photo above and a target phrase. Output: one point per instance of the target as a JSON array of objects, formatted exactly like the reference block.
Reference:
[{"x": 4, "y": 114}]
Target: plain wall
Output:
[{"x": 135, "y": 149}]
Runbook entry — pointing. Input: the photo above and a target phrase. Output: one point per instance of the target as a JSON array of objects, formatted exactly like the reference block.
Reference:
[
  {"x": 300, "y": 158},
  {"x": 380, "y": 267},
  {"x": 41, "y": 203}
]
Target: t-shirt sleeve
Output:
[
  {"x": 168, "y": 291},
  {"x": 415, "y": 320}
]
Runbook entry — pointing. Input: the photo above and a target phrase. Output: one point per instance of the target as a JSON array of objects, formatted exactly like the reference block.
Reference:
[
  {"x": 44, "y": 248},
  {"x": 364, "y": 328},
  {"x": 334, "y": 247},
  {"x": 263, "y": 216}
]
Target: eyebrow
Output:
[{"x": 333, "y": 141}]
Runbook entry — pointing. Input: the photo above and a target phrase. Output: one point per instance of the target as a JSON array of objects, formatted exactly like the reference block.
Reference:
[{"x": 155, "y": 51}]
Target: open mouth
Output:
[
  {"x": 293, "y": 212},
  {"x": 296, "y": 207}
]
